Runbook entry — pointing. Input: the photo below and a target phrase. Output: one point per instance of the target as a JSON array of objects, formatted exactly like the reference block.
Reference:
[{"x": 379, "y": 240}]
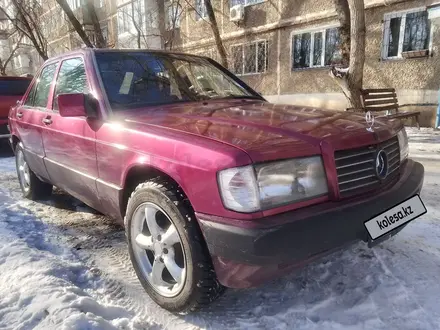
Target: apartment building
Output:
[
  {"x": 124, "y": 24},
  {"x": 284, "y": 48}
]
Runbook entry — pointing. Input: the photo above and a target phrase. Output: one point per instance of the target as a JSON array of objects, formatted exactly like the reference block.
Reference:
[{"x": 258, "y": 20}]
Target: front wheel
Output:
[
  {"x": 167, "y": 249},
  {"x": 31, "y": 186}
]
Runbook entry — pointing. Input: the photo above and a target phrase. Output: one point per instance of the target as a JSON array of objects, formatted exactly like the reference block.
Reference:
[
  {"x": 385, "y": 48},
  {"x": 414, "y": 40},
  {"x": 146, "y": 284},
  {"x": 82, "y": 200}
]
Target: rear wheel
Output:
[
  {"x": 167, "y": 249},
  {"x": 31, "y": 186}
]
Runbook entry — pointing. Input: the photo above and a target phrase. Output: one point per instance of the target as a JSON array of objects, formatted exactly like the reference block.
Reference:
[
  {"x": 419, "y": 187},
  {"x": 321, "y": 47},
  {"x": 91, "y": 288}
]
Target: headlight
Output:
[
  {"x": 249, "y": 189},
  {"x": 403, "y": 144},
  {"x": 239, "y": 189}
]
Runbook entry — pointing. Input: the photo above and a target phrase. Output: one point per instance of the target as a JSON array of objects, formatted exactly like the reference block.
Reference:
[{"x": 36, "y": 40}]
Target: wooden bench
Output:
[{"x": 385, "y": 100}]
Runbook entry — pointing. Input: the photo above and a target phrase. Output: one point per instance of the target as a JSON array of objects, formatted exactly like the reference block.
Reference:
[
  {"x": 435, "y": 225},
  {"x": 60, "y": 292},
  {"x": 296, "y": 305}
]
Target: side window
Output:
[
  {"x": 30, "y": 98},
  {"x": 38, "y": 98},
  {"x": 71, "y": 79}
]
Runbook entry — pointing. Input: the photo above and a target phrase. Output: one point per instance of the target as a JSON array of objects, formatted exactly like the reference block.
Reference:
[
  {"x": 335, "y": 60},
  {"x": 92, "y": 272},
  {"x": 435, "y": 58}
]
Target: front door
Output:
[
  {"x": 29, "y": 120},
  {"x": 69, "y": 142}
]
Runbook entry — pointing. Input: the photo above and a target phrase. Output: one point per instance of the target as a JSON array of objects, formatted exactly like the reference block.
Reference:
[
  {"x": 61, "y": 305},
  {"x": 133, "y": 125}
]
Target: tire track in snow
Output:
[
  {"x": 403, "y": 293},
  {"x": 58, "y": 239},
  {"x": 78, "y": 280},
  {"x": 100, "y": 244},
  {"x": 348, "y": 289}
]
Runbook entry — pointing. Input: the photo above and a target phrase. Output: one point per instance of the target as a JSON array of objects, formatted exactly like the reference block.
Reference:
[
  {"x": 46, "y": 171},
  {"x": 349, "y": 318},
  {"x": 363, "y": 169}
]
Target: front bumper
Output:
[{"x": 306, "y": 233}]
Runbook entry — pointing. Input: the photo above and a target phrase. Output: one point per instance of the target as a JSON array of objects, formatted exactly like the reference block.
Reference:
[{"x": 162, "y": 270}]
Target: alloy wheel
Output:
[
  {"x": 158, "y": 249},
  {"x": 24, "y": 174}
]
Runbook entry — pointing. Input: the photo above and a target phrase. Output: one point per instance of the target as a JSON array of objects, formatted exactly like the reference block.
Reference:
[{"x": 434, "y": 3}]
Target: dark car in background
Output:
[{"x": 12, "y": 90}]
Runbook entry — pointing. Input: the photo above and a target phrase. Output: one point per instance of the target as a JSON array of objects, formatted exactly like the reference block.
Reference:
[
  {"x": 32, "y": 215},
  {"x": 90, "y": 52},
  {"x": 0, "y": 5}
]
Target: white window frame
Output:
[
  {"x": 121, "y": 11},
  {"x": 266, "y": 52},
  {"x": 312, "y": 32},
  {"x": 75, "y": 4},
  {"x": 17, "y": 62},
  {"x": 246, "y": 2},
  {"x": 386, "y": 32},
  {"x": 204, "y": 14},
  {"x": 172, "y": 7}
]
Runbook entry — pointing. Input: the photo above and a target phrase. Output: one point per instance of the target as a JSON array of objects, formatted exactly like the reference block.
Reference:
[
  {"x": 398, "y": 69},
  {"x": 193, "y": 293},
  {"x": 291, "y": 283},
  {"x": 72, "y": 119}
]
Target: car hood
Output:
[{"x": 266, "y": 131}]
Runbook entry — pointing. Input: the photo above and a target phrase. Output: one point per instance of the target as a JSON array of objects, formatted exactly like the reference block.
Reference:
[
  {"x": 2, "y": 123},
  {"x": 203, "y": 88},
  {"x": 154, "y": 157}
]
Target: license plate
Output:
[{"x": 395, "y": 217}]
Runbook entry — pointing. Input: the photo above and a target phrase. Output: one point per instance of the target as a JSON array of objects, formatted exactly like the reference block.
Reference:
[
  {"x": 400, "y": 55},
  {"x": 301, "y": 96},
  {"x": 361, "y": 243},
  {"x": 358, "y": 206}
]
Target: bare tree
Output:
[
  {"x": 343, "y": 12},
  {"x": 162, "y": 19},
  {"x": 4, "y": 62},
  {"x": 215, "y": 31},
  {"x": 74, "y": 21},
  {"x": 146, "y": 26},
  {"x": 27, "y": 19},
  {"x": 138, "y": 19},
  {"x": 136, "y": 14},
  {"x": 350, "y": 79},
  {"x": 173, "y": 13},
  {"x": 99, "y": 38}
]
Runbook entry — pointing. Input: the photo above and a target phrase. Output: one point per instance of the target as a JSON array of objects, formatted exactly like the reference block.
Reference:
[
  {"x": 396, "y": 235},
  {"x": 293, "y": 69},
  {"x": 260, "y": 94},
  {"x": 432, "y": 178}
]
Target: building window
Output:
[
  {"x": 233, "y": 3},
  {"x": 316, "y": 49},
  {"x": 201, "y": 10},
  {"x": 250, "y": 58},
  {"x": 74, "y": 4},
  {"x": 174, "y": 12},
  {"x": 26, "y": 41},
  {"x": 405, "y": 32},
  {"x": 125, "y": 19},
  {"x": 17, "y": 62},
  {"x": 131, "y": 17},
  {"x": 104, "y": 31}
]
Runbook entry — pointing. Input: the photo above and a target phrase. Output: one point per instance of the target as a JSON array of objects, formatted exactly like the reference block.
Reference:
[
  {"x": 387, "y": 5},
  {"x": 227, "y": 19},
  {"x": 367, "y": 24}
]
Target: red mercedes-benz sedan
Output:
[{"x": 215, "y": 186}]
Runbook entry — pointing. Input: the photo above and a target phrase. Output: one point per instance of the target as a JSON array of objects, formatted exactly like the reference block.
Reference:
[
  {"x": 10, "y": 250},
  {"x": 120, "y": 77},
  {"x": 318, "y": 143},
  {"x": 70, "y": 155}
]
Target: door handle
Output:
[
  {"x": 19, "y": 114},
  {"x": 47, "y": 121}
]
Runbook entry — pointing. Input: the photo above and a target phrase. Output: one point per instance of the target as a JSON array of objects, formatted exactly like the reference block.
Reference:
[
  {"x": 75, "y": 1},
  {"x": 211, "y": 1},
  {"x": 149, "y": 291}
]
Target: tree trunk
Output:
[
  {"x": 2, "y": 69},
  {"x": 161, "y": 19},
  {"x": 351, "y": 15},
  {"x": 218, "y": 40},
  {"x": 357, "y": 52},
  {"x": 76, "y": 24},
  {"x": 343, "y": 13},
  {"x": 138, "y": 39},
  {"x": 99, "y": 38}
]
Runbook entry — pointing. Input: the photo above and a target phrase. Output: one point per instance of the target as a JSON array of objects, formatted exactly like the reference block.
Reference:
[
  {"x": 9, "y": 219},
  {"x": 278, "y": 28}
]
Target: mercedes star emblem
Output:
[{"x": 369, "y": 118}]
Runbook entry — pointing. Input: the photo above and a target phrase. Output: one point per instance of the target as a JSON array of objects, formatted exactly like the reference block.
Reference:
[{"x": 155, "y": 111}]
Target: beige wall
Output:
[{"x": 416, "y": 80}]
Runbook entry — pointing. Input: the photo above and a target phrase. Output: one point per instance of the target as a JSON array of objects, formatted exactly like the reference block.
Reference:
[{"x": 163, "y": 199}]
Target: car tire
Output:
[
  {"x": 196, "y": 284},
  {"x": 31, "y": 186}
]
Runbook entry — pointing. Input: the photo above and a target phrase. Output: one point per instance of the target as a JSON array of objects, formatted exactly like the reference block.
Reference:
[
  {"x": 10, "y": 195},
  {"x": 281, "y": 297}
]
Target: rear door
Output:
[
  {"x": 69, "y": 142},
  {"x": 29, "y": 119}
]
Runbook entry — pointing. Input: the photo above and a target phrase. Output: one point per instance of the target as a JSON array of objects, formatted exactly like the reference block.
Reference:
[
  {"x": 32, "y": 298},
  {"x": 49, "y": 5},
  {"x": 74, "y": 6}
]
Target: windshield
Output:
[
  {"x": 14, "y": 87},
  {"x": 135, "y": 79}
]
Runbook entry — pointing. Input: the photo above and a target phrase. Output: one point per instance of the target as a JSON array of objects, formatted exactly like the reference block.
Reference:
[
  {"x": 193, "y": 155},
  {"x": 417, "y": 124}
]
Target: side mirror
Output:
[{"x": 77, "y": 105}]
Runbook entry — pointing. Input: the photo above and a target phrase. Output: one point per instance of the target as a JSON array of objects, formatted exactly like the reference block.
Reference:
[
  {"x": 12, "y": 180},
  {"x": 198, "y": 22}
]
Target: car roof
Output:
[{"x": 84, "y": 51}]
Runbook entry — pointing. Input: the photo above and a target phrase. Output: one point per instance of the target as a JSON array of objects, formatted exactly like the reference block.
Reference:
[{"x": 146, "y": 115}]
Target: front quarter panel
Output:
[{"x": 191, "y": 161}]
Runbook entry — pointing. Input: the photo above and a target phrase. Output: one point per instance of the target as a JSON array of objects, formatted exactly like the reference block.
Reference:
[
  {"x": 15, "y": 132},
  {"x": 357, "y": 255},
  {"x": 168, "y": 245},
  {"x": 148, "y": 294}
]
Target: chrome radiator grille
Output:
[{"x": 356, "y": 168}]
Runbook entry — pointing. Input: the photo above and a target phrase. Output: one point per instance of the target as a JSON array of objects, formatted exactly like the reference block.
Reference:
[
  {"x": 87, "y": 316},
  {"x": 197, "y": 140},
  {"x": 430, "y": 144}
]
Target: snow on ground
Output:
[{"x": 63, "y": 266}]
